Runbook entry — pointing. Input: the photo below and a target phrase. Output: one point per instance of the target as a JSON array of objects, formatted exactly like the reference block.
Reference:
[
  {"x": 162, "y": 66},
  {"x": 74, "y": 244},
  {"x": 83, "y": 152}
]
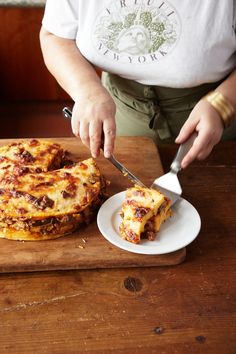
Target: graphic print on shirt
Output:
[{"x": 136, "y": 31}]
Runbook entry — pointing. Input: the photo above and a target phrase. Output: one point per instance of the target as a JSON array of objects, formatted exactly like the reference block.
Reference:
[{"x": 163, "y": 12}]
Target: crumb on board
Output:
[{"x": 79, "y": 246}]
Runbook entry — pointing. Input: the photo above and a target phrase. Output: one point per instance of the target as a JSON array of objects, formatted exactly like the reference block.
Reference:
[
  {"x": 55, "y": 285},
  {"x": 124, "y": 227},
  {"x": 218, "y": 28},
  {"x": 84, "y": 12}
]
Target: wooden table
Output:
[{"x": 181, "y": 309}]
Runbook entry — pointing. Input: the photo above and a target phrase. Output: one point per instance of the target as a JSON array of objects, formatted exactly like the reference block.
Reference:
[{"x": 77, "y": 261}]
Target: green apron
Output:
[{"x": 155, "y": 111}]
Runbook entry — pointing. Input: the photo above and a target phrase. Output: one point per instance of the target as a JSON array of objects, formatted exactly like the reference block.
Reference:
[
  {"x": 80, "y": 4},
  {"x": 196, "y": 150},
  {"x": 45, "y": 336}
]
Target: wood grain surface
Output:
[
  {"x": 188, "y": 308},
  {"x": 87, "y": 248}
]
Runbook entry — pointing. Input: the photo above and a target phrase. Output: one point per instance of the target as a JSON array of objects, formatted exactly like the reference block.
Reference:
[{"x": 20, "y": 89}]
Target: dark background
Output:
[{"x": 30, "y": 98}]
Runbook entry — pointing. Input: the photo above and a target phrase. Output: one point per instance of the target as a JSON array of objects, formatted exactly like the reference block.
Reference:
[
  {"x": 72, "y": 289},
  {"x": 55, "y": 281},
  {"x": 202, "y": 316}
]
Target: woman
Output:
[{"x": 168, "y": 69}]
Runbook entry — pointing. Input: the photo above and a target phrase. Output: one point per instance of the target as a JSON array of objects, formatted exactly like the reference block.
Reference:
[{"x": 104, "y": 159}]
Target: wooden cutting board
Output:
[{"x": 87, "y": 248}]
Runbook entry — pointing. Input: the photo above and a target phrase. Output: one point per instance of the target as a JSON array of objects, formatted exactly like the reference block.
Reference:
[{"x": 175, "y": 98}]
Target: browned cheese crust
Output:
[{"x": 39, "y": 200}]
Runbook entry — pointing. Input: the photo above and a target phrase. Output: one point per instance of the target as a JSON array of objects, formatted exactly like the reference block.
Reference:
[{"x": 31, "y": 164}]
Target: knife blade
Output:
[{"x": 68, "y": 114}]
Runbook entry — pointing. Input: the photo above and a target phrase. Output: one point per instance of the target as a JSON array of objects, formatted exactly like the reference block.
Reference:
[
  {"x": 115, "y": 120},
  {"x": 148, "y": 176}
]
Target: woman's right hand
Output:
[
  {"x": 93, "y": 120},
  {"x": 93, "y": 115}
]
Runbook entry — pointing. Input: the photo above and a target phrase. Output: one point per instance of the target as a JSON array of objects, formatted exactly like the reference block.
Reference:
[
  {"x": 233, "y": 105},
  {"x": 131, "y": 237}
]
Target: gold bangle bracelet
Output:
[{"x": 222, "y": 106}]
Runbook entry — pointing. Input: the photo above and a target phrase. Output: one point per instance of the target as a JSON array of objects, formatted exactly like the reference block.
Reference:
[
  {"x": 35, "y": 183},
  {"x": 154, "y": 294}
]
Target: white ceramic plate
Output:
[{"x": 177, "y": 232}]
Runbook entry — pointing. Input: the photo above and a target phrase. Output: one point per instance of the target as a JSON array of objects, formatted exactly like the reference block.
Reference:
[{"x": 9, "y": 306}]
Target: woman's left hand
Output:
[{"x": 206, "y": 121}]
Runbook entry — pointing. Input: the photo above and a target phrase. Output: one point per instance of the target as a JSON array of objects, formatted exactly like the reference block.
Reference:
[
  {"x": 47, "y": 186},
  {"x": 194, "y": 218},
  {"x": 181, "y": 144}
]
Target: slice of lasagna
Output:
[
  {"x": 27, "y": 156},
  {"x": 46, "y": 205},
  {"x": 143, "y": 212}
]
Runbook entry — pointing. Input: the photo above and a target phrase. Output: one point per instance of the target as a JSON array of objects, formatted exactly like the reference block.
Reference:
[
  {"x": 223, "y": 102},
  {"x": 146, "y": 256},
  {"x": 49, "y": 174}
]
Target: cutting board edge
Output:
[{"x": 180, "y": 257}]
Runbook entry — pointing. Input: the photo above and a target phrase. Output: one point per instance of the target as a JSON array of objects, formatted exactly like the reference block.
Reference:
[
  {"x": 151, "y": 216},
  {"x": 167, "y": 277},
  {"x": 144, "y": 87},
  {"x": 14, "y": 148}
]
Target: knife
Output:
[{"x": 68, "y": 114}]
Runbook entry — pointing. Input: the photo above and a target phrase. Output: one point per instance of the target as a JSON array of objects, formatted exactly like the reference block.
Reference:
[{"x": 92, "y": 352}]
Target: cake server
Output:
[
  {"x": 169, "y": 184},
  {"x": 68, "y": 114}
]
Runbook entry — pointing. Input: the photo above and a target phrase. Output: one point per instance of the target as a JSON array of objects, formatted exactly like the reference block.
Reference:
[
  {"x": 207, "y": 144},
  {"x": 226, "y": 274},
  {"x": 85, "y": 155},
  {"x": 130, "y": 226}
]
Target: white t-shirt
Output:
[{"x": 174, "y": 43}]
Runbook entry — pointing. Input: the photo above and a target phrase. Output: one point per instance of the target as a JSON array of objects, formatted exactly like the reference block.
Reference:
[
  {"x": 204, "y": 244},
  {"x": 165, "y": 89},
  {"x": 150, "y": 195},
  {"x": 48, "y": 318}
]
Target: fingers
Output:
[
  {"x": 193, "y": 152},
  {"x": 95, "y": 140},
  {"x": 91, "y": 135},
  {"x": 75, "y": 126},
  {"x": 96, "y": 131},
  {"x": 109, "y": 130},
  {"x": 187, "y": 129},
  {"x": 204, "y": 153},
  {"x": 201, "y": 148},
  {"x": 80, "y": 129},
  {"x": 84, "y": 133},
  {"x": 204, "y": 120}
]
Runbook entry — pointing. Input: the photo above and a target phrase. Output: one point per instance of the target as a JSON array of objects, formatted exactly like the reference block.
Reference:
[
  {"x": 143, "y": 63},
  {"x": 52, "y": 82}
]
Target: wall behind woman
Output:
[
  {"x": 23, "y": 74},
  {"x": 31, "y": 101}
]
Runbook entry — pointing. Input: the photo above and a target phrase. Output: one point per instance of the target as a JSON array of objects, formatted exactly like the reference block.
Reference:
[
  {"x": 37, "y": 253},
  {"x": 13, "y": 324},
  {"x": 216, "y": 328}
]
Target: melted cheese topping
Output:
[
  {"x": 54, "y": 193},
  {"x": 31, "y": 153},
  {"x": 39, "y": 202},
  {"x": 27, "y": 156}
]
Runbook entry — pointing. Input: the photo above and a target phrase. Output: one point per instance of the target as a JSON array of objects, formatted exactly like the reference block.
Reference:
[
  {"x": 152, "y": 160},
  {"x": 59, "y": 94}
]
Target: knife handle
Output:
[
  {"x": 182, "y": 151},
  {"x": 67, "y": 112}
]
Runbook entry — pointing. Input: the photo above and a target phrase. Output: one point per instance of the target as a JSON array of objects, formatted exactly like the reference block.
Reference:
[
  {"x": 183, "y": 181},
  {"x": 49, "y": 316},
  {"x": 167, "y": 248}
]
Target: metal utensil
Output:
[
  {"x": 169, "y": 184},
  {"x": 68, "y": 114}
]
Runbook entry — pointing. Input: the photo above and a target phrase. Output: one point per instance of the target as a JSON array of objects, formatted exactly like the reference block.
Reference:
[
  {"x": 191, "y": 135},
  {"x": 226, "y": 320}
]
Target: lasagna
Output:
[
  {"x": 38, "y": 199},
  {"x": 143, "y": 211},
  {"x": 29, "y": 156}
]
